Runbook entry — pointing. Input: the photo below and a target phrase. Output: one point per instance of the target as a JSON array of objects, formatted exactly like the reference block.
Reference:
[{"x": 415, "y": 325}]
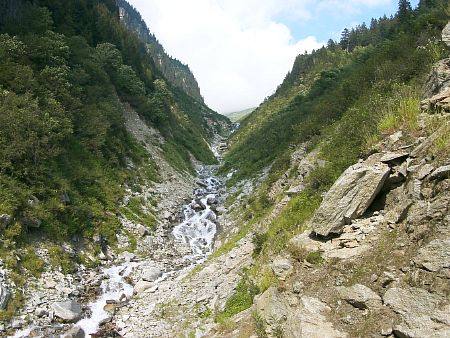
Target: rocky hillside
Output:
[
  {"x": 74, "y": 171},
  {"x": 330, "y": 219},
  {"x": 178, "y": 74}
]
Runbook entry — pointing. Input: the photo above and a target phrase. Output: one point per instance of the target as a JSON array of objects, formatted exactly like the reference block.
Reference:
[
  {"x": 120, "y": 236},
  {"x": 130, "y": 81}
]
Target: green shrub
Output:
[
  {"x": 32, "y": 263},
  {"x": 241, "y": 300},
  {"x": 314, "y": 258},
  {"x": 259, "y": 239}
]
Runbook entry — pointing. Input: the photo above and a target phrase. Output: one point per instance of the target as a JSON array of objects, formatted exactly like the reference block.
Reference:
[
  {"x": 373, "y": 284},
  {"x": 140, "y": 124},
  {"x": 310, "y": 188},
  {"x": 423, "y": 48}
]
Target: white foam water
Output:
[
  {"x": 114, "y": 287},
  {"x": 198, "y": 228}
]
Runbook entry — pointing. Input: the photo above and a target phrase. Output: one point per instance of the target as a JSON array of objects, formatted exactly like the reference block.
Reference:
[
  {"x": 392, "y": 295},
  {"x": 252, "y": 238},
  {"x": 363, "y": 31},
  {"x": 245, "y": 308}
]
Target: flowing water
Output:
[
  {"x": 113, "y": 287},
  {"x": 197, "y": 230}
]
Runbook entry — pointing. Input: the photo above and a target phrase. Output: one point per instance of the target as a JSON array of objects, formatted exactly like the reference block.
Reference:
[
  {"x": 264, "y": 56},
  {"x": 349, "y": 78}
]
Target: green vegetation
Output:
[
  {"x": 314, "y": 258},
  {"x": 260, "y": 325},
  {"x": 344, "y": 85},
  {"x": 137, "y": 211},
  {"x": 67, "y": 69},
  {"x": 290, "y": 222},
  {"x": 239, "y": 115},
  {"x": 241, "y": 300}
]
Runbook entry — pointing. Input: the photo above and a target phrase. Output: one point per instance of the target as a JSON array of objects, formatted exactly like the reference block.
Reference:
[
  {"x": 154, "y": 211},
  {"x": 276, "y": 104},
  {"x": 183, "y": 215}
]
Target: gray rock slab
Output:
[
  {"x": 434, "y": 256},
  {"x": 68, "y": 311},
  {"x": 349, "y": 197},
  {"x": 360, "y": 296},
  {"x": 425, "y": 171},
  {"x": 441, "y": 173},
  {"x": 4, "y": 297},
  {"x": 394, "y": 157}
]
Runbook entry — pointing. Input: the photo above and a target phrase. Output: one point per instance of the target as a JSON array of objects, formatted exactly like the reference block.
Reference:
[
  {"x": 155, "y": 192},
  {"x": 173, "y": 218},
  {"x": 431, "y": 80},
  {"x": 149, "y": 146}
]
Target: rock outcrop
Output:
[
  {"x": 350, "y": 196},
  {"x": 435, "y": 256},
  {"x": 360, "y": 296},
  {"x": 4, "y": 297},
  {"x": 307, "y": 319},
  {"x": 69, "y": 311},
  {"x": 423, "y": 314}
]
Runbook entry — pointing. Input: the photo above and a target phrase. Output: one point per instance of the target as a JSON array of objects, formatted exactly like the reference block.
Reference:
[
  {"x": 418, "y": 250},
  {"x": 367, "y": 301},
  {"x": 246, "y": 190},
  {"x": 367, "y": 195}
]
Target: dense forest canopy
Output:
[{"x": 66, "y": 69}]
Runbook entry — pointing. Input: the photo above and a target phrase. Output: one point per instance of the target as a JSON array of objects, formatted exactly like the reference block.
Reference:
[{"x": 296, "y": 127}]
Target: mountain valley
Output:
[{"x": 129, "y": 208}]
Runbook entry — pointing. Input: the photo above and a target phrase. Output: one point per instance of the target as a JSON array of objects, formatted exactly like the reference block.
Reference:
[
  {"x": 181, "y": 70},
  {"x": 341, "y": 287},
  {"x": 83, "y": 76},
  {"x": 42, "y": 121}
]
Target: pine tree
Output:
[
  {"x": 404, "y": 11},
  {"x": 345, "y": 39}
]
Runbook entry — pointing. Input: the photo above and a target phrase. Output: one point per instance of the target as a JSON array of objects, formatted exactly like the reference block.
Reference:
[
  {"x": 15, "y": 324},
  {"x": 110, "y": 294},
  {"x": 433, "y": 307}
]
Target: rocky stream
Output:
[{"x": 179, "y": 247}]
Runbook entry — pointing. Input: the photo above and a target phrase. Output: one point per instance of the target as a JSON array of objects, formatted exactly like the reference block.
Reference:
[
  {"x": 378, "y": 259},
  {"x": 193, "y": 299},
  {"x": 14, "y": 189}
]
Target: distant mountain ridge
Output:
[
  {"x": 239, "y": 115},
  {"x": 177, "y": 73}
]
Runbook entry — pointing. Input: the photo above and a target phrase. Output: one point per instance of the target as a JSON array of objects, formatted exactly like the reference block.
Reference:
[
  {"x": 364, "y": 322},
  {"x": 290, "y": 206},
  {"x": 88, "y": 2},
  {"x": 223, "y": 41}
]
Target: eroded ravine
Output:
[{"x": 196, "y": 232}]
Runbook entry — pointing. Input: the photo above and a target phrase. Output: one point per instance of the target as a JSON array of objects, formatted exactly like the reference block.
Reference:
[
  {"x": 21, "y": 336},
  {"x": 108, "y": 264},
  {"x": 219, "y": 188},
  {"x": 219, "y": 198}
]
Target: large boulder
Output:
[
  {"x": 438, "y": 80},
  {"x": 360, "y": 296},
  {"x": 152, "y": 274},
  {"x": 143, "y": 285},
  {"x": 69, "y": 312},
  {"x": 282, "y": 267},
  {"x": 349, "y": 197},
  {"x": 307, "y": 320},
  {"x": 423, "y": 314},
  {"x": 4, "y": 297},
  {"x": 434, "y": 256}
]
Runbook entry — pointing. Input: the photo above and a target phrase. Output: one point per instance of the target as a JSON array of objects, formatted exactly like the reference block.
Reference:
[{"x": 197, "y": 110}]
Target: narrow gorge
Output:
[{"x": 129, "y": 208}]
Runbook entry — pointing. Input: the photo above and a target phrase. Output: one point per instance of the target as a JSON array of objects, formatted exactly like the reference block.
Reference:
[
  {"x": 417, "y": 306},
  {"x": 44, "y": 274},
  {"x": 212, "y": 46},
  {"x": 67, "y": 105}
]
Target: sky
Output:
[{"x": 241, "y": 50}]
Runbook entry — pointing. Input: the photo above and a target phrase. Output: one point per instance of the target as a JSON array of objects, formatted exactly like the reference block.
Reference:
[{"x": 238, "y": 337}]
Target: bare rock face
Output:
[
  {"x": 435, "y": 256},
  {"x": 308, "y": 320},
  {"x": 423, "y": 314},
  {"x": 446, "y": 34},
  {"x": 438, "y": 80},
  {"x": 4, "y": 297},
  {"x": 360, "y": 296},
  {"x": 349, "y": 197}
]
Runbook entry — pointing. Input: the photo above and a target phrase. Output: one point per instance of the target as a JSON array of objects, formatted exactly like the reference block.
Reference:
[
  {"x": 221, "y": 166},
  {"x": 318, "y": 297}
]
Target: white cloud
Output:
[
  {"x": 236, "y": 49},
  {"x": 240, "y": 50}
]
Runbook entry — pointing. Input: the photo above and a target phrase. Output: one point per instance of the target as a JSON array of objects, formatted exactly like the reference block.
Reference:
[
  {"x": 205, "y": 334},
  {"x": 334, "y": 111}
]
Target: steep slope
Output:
[
  {"x": 337, "y": 81},
  {"x": 69, "y": 73},
  {"x": 341, "y": 181},
  {"x": 178, "y": 74}
]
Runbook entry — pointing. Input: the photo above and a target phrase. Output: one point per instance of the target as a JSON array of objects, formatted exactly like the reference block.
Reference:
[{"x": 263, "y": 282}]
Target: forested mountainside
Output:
[
  {"x": 69, "y": 70},
  {"x": 340, "y": 180},
  {"x": 343, "y": 84},
  {"x": 178, "y": 74}
]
